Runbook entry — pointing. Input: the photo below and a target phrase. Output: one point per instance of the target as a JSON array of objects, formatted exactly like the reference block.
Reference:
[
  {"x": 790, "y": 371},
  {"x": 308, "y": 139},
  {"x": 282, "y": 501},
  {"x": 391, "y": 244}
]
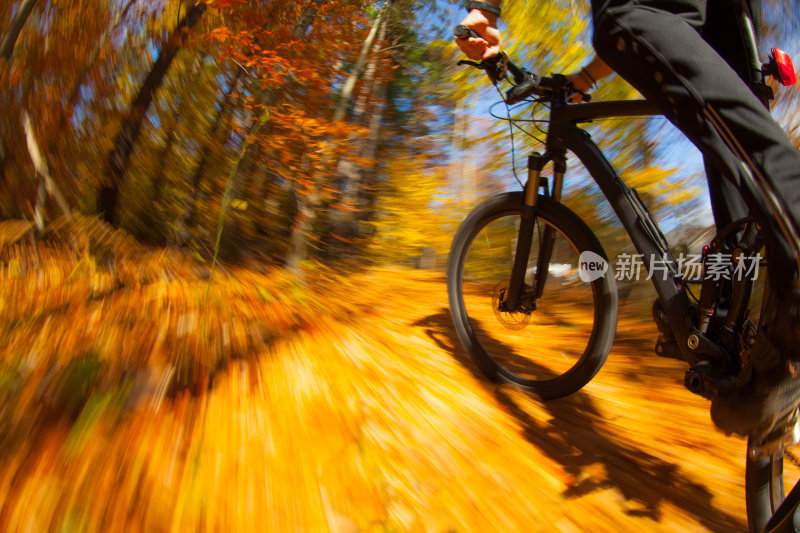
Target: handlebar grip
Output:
[
  {"x": 462, "y": 32},
  {"x": 527, "y": 87}
]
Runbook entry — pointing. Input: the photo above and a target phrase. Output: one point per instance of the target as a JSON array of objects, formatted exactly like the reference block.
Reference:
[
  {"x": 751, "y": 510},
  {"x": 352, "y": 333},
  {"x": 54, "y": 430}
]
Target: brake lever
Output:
[
  {"x": 470, "y": 63},
  {"x": 495, "y": 67}
]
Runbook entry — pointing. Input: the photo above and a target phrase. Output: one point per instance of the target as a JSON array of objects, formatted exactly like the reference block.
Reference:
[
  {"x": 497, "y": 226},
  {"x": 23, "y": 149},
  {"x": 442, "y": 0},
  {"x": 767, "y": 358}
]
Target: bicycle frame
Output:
[{"x": 564, "y": 135}]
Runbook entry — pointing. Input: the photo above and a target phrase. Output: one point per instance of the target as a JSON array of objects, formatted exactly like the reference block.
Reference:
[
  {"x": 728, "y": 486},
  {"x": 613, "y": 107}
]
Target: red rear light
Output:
[{"x": 784, "y": 68}]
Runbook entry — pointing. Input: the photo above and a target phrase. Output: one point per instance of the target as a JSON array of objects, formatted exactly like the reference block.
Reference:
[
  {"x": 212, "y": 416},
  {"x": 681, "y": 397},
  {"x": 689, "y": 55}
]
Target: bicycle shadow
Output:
[{"x": 639, "y": 476}]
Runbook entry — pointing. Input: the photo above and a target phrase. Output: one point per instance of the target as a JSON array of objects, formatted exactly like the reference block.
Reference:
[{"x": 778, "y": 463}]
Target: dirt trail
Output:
[{"x": 375, "y": 420}]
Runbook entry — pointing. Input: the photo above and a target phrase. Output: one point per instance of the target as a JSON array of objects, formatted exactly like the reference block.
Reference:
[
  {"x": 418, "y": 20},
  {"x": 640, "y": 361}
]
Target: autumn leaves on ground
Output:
[{"x": 136, "y": 393}]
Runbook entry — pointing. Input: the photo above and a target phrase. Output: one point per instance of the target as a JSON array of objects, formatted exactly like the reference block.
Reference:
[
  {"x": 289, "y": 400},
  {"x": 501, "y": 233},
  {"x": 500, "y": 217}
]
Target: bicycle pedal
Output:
[{"x": 668, "y": 348}]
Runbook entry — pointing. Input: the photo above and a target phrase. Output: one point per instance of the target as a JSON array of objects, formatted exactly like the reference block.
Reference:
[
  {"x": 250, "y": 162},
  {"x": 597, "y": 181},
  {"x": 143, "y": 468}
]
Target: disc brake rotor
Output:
[{"x": 516, "y": 320}]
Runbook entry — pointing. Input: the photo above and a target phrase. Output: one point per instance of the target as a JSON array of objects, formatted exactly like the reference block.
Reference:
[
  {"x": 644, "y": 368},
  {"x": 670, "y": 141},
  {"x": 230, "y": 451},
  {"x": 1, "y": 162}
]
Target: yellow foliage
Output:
[{"x": 410, "y": 218}]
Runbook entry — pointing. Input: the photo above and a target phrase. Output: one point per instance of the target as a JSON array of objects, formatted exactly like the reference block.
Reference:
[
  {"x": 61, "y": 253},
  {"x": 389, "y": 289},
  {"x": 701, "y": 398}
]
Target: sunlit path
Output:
[{"x": 373, "y": 420}]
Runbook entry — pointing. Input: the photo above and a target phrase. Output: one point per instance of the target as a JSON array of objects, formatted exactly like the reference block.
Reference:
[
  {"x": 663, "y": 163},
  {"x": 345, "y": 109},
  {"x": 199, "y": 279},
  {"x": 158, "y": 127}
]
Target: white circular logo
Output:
[{"x": 592, "y": 267}]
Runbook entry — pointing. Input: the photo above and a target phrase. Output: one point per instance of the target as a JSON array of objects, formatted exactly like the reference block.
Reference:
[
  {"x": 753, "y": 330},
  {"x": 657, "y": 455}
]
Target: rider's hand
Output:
[
  {"x": 485, "y": 25},
  {"x": 586, "y": 78},
  {"x": 580, "y": 87},
  {"x": 579, "y": 82}
]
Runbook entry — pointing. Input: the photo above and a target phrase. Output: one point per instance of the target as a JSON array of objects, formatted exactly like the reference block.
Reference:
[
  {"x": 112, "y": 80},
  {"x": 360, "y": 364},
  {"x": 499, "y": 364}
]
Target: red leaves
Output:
[
  {"x": 220, "y": 34},
  {"x": 223, "y": 4}
]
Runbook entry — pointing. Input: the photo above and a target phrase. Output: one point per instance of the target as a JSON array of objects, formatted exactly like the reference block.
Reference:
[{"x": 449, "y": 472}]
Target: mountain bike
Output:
[{"x": 534, "y": 302}]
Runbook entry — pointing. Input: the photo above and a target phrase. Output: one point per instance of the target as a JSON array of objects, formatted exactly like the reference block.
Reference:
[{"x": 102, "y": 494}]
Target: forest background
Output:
[
  {"x": 314, "y": 152},
  {"x": 284, "y": 132}
]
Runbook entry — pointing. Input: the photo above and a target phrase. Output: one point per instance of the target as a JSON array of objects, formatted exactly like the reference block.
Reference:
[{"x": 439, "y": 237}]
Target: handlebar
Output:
[{"x": 525, "y": 82}]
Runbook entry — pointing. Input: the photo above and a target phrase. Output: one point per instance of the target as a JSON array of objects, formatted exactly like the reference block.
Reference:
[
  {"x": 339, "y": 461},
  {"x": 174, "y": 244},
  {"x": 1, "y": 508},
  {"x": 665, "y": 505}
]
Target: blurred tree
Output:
[
  {"x": 10, "y": 37},
  {"x": 126, "y": 139},
  {"x": 47, "y": 184},
  {"x": 341, "y": 220},
  {"x": 185, "y": 219}
]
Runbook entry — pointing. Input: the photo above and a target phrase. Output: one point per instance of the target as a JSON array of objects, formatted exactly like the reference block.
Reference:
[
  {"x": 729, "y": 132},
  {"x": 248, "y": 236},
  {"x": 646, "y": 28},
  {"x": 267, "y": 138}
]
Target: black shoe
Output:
[
  {"x": 766, "y": 394},
  {"x": 781, "y": 325},
  {"x": 767, "y": 390}
]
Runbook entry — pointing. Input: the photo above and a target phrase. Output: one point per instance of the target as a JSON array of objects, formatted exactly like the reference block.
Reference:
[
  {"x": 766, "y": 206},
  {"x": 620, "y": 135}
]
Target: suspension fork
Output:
[
  {"x": 536, "y": 163},
  {"x": 549, "y": 235}
]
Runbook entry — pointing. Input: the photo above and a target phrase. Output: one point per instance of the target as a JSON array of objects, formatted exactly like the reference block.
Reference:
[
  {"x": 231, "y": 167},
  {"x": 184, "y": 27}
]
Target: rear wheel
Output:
[
  {"x": 770, "y": 468},
  {"x": 766, "y": 480},
  {"x": 556, "y": 342}
]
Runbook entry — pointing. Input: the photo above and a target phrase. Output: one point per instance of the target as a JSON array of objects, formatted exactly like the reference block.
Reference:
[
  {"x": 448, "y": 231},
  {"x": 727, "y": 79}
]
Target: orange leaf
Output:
[{"x": 222, "y": 4}]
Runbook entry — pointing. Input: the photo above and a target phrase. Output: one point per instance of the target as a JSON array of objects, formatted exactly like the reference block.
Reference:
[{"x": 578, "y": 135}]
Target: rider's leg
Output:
[
  {"x": 726, "y": 200},
  {"x": 723, "y": 30},
  {"x": 663, "y": 55}
]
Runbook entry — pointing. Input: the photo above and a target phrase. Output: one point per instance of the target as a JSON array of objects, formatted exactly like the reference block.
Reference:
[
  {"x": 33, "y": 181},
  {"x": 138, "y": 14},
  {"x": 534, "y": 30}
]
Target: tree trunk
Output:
[
  {"x": 301, "y": 227},
  {"x": 346, "y": 171},
  {"x": 308, "y": 207},
  {"x": 75, "y": 92},
  {"x": 7, "y": 49},
  {"x": 10, "y": 38},
  {"x": 349, "y": 174},
  {"x": 367, "y": 191},
  {"x": 347, "y": 90},
  {"x": 126, "y": 139},
  {"x": 456, "y": 143},
  {"x": 184, "y": 222},
  {"x": 46, "y": 183},
  {"x": 307, "y": 18},
  {"x": 462, "y": 171}
]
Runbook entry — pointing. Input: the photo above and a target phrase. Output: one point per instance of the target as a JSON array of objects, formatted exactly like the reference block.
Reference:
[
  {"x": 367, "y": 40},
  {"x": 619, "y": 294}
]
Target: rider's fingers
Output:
[
  {"x": 575, "y": 97},
  {"x": 473, "y": 48},
  {"x": 485, "y": 46},
  {"x": 491, "y": 51}
]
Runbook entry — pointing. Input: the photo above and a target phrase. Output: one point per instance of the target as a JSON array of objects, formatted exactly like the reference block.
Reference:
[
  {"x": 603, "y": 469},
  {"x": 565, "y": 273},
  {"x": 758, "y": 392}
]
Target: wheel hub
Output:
[{"x": 515, "y": 320}]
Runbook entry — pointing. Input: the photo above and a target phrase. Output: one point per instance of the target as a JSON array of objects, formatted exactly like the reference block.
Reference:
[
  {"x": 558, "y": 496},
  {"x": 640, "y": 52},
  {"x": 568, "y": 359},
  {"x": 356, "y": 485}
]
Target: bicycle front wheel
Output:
[{"x": 557, "y": 341}]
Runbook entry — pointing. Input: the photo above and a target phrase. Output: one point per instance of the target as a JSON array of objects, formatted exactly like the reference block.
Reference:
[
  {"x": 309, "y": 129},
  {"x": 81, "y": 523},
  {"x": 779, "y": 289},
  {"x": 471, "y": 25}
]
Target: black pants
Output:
[{"x": 689, "y": 58}]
